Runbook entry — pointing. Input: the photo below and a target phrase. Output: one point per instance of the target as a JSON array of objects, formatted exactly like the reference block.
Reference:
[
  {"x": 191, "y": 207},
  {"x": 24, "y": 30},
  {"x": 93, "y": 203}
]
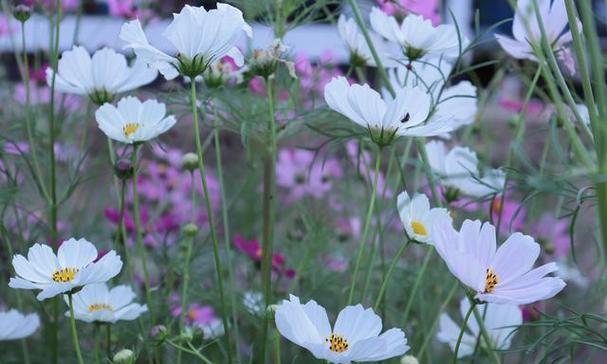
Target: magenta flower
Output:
[
  {"x": 123, "y": 8},
  {"x": 553, "y": 234},
  {"x": 401, "y": 8},
  {"x": 253, "y": 249},
  {"x": 513, "y": 214}
]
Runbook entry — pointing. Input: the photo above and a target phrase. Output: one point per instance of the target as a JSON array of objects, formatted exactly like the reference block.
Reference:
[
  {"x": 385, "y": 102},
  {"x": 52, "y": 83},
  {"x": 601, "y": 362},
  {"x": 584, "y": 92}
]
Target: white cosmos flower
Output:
[
  {"x": 133, "y": 121},
  {"x": 526, "y": 30},
  {"x": 501, "y": 322},
  {"x": 200, "y": 38},
  {"x": 357, "y": 45},
  {"x": 457, "y": 102},
  {"x": 98, "y": 303},
  {"x": 74, "y": 266},
  {"x": 417, "y": 36},
  {"x": 385, "y": 117},
  {"x": 417, "y": 216},
  {"x": 355, "y": 336},
  {"x": 16, "y": 325},
  {"x": 458, "y": 168},
  {"x": 100, "y": 77},
  {"x": 498, "y": 275}
]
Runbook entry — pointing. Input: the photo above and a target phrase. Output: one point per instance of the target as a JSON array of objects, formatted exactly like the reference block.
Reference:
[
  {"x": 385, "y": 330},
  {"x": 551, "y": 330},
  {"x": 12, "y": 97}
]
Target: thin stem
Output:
[
  {"x": 207, "y": 198},
  {"x": 269, "y": 188},
  {"x": 494, "y": 355},
  {"x": 384, "y": 285},
  {"x": 108, "y": 340},
  {"x": 461, "y": 332},
  {"x": 74, "y": 331},
  {"x": 226, "y": 232},
  {"x": 363, "y": 240},
  {"x": 186, "y": 267},
  {"x": 416, "y": 285},
  {"x": 277, "y": 347},
  {"x": 430, "y": 333},
  {"x": 139, "y": 233},
  {"x": 96, "y": 348}
]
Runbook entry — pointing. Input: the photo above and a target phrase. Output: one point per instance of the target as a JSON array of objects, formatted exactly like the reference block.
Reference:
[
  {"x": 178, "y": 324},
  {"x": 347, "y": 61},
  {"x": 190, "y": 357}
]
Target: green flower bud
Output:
[
  {"x": 190, "y": 230},
  {"x": 22, "y": 12},
  {"x": 124, "y": 356},
  {"x": 123, "y": 169},
  {"x": 409, "y": 359},
  {"x": 189, "y": 162},
  {"x": 271, "y": 311}
]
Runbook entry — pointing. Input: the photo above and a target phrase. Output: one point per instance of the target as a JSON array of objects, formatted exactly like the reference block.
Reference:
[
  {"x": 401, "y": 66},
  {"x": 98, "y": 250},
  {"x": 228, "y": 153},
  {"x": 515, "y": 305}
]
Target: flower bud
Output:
[
  {"x": 123, "y": 169},
  {"x": 189, "y": 162},
  {"x": 124, "y": 356},
  {"x": 409, "y": 359},
  {"x": 271, "y": 311},
  {"x": 22, "y": 12},
  {"x": 190, "y": 230},
  {"x": 159, "y": 332},
  {"x": 191, "y": 333}
]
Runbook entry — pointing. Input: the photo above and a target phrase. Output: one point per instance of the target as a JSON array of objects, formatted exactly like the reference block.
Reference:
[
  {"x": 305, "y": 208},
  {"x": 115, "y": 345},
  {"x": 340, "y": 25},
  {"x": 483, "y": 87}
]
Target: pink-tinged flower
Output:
[
  {"x": 350, "y": 227},
  {"x": 253, "y": 249},
  {"x": 511, "y": 213},
  {"x": 534, "y": 107},
  {"x": 66, "y": 5},
  {"x": 257, "y": 86},
  {"x": 363, "y": 163},
  {"x": 304, "y": 173},
  {"x": 123, "y": 8},
  {"x": 497, "y": 275},
  {"x": 201, "y": 316},
  {"x": 401, "y": 8},
  {"x": 553, "y": 235},
  {"x": 526, "y": 29},
  {"x": 335, "y": 264},
  {"x": 6, "y": 27}
]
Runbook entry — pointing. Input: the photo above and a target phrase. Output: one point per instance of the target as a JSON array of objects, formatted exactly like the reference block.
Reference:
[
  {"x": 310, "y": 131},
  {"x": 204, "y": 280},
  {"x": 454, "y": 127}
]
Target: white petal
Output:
[
  {"x": 356, "y": 323},
  {"x": 76, "y": 253}
]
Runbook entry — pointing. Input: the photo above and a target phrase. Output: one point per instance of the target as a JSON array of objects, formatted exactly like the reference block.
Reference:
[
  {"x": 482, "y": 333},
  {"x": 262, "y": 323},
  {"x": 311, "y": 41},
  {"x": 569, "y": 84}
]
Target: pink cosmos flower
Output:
[
  {"x": 553, "y": 234},
  {"x": 123, "y": 8},
  {"x": 253, "y": 249},
  {"x": 513, "y": 214},
  {"x": 401, "y": 8},
  {"x": 67, "y": 5}
]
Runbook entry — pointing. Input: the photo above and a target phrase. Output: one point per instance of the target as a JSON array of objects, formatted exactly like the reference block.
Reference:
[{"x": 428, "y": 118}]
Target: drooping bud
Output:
[
  {"x": 22, "y": 12},
  {"x": 189, "y": 162},
  {"x": 123, "y": 169},
  {"x": 124, "y": 356}
]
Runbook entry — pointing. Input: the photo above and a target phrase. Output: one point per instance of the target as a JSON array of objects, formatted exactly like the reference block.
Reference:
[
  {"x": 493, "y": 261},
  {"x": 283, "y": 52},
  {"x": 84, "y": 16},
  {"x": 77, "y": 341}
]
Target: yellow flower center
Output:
[
  {"x": 130, "y": 129},
  {"x": 491, "y": 280},
  {"x": 419, "y": 228},
  {"x": 65, "y": 275},
  {"x": 100, "y": 307},
  {"x": 337, "y": 343}
]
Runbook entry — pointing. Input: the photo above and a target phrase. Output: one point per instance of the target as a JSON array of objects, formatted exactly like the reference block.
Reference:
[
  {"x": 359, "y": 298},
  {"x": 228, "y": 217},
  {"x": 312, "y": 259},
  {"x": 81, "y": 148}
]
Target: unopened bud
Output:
[
  {"x": 189, "y": 162},
  {"x": 22, "y": 12},
  {"x": 158, "y": 332},
  {"x": 123, "y": 169},
  {"x": 190, "y": 229},
  {"x": 124, "y": 356},
  {"x": 191, "y": 333},
  {"x": 271, "y": 311},
  {"x": 409, "y": 359}
]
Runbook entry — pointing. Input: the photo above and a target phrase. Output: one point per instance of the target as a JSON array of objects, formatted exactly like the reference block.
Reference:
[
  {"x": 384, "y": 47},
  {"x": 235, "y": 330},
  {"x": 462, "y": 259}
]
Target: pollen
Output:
[
  {"x": 491, "y": 280},
  {"x": 130, "y": 129},
  {"x": 65, "y": 275},
  {"x": 337, "y": 343},
  {"x": 95, "y": 307},
  {"x": 419, "y": 228}
]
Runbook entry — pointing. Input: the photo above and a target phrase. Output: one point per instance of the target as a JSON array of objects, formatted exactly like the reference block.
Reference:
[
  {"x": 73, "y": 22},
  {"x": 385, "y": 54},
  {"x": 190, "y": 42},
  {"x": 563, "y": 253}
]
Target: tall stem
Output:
[
  {"x": 269, "y": 188},
  {"x": 363, "y": 240},
  {"x": 461, "y": 332},
  {"x": 207, "y": 198},
  {"x": 481, "y": 323},
  {"x": 416, "y": 285},
  {"x": 386, "y": 281},
  {"x": 139, "y": 233},
  {"x": 74, "y": 331},
  {"x": 186, "y": 267}
]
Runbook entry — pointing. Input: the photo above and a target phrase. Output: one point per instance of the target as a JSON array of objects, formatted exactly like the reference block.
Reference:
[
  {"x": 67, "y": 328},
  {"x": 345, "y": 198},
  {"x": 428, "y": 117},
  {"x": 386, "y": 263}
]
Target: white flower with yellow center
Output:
[
  {"x": 417, "y": 36},
  {"x": 199, "y": 37},
  {"x": 417, "y": 216},
  {"x": 72, "y": 267},
  {"x": 100, "y": 77},
  {"x": 15, "y": 325},
  {"x": 497, "y": 275},
  {"x": 98, "y": 303},
  {"x": 385, "y": 118},
  {"x": 501, "y": 322},
  {"x": 133, "y": 121},
  {"x": 355, "y": 336}
]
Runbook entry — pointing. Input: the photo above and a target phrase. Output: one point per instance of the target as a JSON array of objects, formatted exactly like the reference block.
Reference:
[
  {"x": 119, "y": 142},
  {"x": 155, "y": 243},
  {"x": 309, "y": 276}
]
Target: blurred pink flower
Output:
[
  {"x": 66, "y": 5},
  {"x": 123, "y": 8},
  {"x": 553, "y": 235},
  {"x": 252, "y": 248},
  {"x": 534, "y": 107},
  {"x": 364, "y": 165},
  {"x": 299, "y": 172},
  {"x": 513, "y": 214},
  {"x": 400, "y": 8}
]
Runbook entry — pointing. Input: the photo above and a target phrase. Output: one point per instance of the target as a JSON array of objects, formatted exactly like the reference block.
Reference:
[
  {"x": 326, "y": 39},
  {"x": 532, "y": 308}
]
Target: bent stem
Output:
[
  {"x": 269, "y": 187},
  {"x": 139, "y": 234},
  {"x": 363, "y": 240},
  {"x": 461, "y": 331},
  {"x": 209, "y": 207},
  {"x": 74, "y": 331}
]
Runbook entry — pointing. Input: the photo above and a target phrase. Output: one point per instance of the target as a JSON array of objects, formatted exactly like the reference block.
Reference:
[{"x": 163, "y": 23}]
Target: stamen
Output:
[
  {"x": 337, "y": 343},
  {"x": 99, "y": 307},
  {"x": 419, "y": 228},
  {"x": 491, "y": 280},
  {"x": 65, "y": 275},
  {"x": 130, "y": 129}
]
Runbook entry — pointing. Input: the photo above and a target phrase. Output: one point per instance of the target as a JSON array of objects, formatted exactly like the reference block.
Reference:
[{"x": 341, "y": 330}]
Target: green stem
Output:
[
  {"x": 139, "y": 233},
  {"x": 461, "y": 332},
  {"x": 430, "y": 334},
  {"x": 393, "y": 264},
  {"x": 209, "y": 207},
  {"x": 186, "y": 268},
  {"x": 74, "y": 331},
  {"x": 108, "y": 340},
  {"x": 226, "y": 232},
  {"x": 277, "y": 347},
  {"x": 494, "y": 355},
  {"x": 363, "y": 240},
  {"x": 416, "y": 285},
  {"x": 269, "y": 189},
  {"x": 96, "y": 348}
]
